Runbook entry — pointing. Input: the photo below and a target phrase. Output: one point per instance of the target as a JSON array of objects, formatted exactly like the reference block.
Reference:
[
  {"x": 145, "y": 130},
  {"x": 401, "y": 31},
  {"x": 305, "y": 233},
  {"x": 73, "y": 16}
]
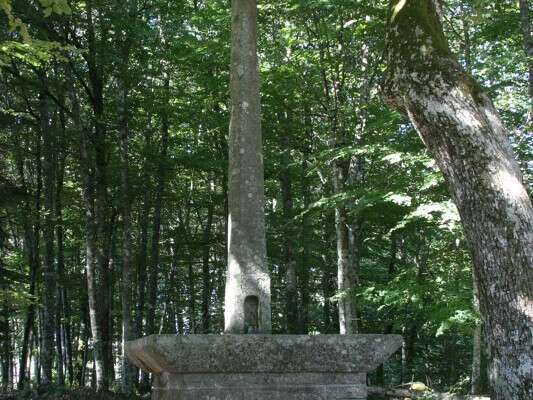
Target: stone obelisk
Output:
[
  {"x": 247, "y": 297},
  {"x": 239, "y": 366}
]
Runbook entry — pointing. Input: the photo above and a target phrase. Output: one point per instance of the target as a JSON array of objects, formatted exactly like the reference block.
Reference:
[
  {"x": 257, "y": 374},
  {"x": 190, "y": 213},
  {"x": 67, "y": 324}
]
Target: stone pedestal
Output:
[{"x": 261, "y": 367}]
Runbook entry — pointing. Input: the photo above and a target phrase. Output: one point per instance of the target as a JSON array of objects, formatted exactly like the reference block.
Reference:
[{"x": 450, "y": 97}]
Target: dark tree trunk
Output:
[
  {"x": 463, "y": 131},
  {"x": 5, "y": 330},
  {"x": 100, "y": 205},
  {"x": 60, "y": 265},
  {"x": 126, "y": 283},
  {"x": 31, "y": 243},
  {"x": 143, "y": 249},
  {"x": 156, "y": 227},
  {"x": 88, "y": 197},
  {"x": 49, "y": 272},
  {"x": 30, "y": 313}
]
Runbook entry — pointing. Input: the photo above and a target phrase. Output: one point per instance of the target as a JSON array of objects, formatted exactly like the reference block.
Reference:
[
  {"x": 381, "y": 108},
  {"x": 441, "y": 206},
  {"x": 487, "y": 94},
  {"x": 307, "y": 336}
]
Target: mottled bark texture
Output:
[
  {"x": 464, "y": 133},
  {"x": 247, "y": 269}
]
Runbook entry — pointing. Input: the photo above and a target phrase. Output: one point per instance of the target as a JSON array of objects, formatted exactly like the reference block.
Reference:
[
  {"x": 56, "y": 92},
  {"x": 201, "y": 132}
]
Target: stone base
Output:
[
  {"x": 261, "y": 367},
  {"x": 265, "y": 386}
]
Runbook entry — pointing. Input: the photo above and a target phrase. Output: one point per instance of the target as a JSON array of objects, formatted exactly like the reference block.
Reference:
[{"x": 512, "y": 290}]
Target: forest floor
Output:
[{"x": 65, "y": 394}]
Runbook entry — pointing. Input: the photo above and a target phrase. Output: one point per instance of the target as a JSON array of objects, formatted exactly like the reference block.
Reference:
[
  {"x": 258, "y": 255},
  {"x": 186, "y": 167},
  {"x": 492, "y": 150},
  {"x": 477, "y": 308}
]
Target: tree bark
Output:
[
  {"x": 248, "y": 278},
  {"x": 143, "y": 248},
  {"x": 156, "y": 227},
  {"x": 88, "y": 197},
  {"x": 465, "y": 135},
  {"x": 101, "y": 203},
  {"x": 345, "y": 281},
  {"x": 126, "y": 281},
  {"x": 32, "y": 228},
  {"x": 50, "y": 280},
  {"x": 60, "y": 261},
  {"x": 476, "y": 385}
]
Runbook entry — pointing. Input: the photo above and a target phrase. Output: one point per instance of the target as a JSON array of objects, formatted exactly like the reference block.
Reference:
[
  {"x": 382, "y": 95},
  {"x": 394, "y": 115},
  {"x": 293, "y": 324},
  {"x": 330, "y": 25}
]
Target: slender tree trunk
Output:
[
  {"x": 88, "y": 197},
  {"x": 35, "y": 365},
  {"x": 143, "y": 249},
  {"x": 50, "y": 280},
  {"x": 5, "y": 330},
  {"x": 191, "y": 290},
  {"x": 126, "y": 281},
  {"x": 68, "y": 337},
  {"x": 30, "y": 313},
  {"x": 304, "y": 273},
  {"x": 143, "y": 262},
  {"x": 100, "y": 204},
  {"x": 346, "y": 304},
  {"x": 60, "y": 267},
  {"x": 156, "y": 227},
  {"x": 463, "y": 131},
  {"x": 206, "y": 273},
  {"x": 528, "y": 49},
  {"x": 177, "y": 289}
]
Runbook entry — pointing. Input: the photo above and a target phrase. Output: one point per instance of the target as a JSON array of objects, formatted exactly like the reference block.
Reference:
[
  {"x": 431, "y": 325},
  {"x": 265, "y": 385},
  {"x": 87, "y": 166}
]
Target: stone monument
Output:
[{"x": 247, "y": 363}]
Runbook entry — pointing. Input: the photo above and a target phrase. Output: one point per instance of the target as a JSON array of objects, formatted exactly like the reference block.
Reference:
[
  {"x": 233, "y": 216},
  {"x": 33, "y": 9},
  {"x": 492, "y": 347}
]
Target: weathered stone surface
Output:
[
  {"x": 261, "y": 353},
  {"x": 290, "y": 386},
  {"x": 247, "y": 296},
  {"x": 261, "y": 367}
]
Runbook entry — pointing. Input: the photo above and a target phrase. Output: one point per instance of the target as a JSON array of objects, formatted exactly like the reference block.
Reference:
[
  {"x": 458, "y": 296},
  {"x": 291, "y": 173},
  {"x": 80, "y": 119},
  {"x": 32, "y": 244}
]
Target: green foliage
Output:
[{"x": 60, "y": 7}]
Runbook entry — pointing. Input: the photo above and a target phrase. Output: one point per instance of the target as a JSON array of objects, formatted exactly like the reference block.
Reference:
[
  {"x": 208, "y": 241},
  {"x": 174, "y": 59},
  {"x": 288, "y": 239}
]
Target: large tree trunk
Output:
[
  {"x": 476, "y": 382},
  {"x": 247, "y": 299},
  {"x": 50, "y": 288},
  {"x": 463, "y": 131}
]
